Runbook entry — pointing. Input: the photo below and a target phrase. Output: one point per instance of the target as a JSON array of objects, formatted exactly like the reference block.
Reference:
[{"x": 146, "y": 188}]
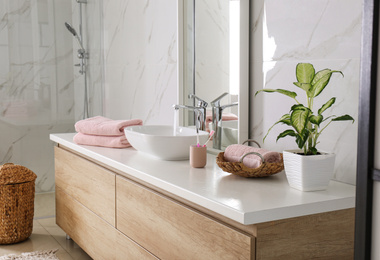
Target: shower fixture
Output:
[
  {"x": 82, "y": 55},
  {"x": 74, "y": 33}
]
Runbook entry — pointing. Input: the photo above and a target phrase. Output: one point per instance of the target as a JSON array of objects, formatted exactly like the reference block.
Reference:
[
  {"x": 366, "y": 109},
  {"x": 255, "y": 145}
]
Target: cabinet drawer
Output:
[
  {"x": 173, "y": 231},
  {"x": 328, "y": 235},
  {"x": 98, "y": 238},
  {"x": 89, "y": 183}
]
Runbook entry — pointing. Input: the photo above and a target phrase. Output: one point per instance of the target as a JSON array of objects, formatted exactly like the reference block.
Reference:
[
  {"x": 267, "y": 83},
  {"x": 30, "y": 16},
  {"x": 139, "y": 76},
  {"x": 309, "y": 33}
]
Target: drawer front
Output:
[
  {"x": 328, "y": 235},
  {"x": 89, "y": 183},
  {"x": 98, "y": 238},
  {"x": 173, "y": 231}
]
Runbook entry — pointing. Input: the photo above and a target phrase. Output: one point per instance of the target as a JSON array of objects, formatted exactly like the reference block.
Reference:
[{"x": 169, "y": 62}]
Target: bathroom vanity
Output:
[{"x": 122, "y": 204}]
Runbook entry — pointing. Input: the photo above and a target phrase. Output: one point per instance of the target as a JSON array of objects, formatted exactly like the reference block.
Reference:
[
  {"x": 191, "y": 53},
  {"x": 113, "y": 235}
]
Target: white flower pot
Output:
[{"x": 308, "y": 173}]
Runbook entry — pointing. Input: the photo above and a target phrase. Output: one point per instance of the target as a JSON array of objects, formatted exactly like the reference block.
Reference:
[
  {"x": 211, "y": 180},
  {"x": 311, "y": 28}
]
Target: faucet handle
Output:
[
  {"x": 216, "y": 102},
  {"x": 201, "y": 102}
]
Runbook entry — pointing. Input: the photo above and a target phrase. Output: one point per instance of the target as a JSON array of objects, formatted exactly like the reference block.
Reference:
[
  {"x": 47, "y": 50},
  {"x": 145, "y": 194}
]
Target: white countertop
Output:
[{"x": 245, "y": 200}]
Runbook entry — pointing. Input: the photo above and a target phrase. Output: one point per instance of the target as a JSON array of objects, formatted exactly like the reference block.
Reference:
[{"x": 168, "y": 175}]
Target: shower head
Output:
[
  {"x": 71, "y": 29},
  {"x": 74, "y": 33}
]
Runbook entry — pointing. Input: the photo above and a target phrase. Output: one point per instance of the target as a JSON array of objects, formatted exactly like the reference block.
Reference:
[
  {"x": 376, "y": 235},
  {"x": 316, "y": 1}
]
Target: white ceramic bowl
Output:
[{"x": 161, "y": 142}]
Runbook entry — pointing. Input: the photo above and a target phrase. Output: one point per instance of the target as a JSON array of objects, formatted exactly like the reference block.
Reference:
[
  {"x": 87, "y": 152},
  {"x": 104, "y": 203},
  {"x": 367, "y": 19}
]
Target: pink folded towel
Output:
[
  {"x": 234, "y": 152},
  {"x": 225, "y": 117},
  {"x": 102, "y": 140},
  {"x": 99, "y": 125}
]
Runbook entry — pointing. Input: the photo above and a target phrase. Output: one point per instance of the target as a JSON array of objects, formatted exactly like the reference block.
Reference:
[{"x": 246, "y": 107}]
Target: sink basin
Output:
[{"x": 161, "y": 142}]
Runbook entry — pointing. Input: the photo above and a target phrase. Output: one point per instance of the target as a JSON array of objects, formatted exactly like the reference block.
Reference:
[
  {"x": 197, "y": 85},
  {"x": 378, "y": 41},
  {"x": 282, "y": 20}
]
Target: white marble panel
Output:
[
  {"x": 320, "y": 29},
  {"x": 144, "y": 92},
  {"x": 92, "y": 37},
  {"x": 36, "y": 83},
  {"x": 93, "y": 30},
  {"x": 212, "y": 38},
  {"x": 325, "y": 33},
  {"x": 140, "y": 41}
]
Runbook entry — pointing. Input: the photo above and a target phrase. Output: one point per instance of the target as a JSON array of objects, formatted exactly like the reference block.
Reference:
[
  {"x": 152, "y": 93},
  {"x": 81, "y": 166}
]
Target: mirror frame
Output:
[
  {"x": 367, "y": 174},
  {"x": 243, "y": 108}
]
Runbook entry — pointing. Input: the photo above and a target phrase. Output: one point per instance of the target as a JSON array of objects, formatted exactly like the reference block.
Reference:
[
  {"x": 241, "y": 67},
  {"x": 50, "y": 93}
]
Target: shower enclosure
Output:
[{"x": 41, "y": 91}]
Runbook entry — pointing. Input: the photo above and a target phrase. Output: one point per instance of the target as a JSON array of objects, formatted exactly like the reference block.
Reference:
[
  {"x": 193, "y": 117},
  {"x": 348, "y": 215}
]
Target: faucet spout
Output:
[
  {"x": 229, "y": 105},
  {"x": 200, "y": 115},
  {"x": 216, "y": 102},
  {"x": 201, "y": 102}
]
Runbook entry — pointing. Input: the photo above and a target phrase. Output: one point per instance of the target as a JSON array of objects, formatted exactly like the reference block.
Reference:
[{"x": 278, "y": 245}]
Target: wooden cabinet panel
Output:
[
  {"x": 90, "y": 184},
  {"x": 98, "y": 238},
  {"x": 172, "y": 231},
  {"x": 327, "y": 235}
]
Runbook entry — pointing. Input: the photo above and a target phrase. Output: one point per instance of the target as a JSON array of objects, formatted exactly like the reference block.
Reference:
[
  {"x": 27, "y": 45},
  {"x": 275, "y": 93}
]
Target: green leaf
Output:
[
  {"x": 304, "y": 86},
  {"x": 305, "y": 72},
  {"x": 320, "y": 81},
  {"x": 302, "y": 138},
  {"x": 285, "y": 119},
  {"x": 288, "y": 132},
  {"x": 343, "y": 118},
  {"x": 281, "y": 91},
  {"x": 313, "y": 150},
  {"x": 316, "y": 119},
  {"x": 299, "y": 118},
  {"x": 326, "y": 106},
  {"x": 299, "y": 107}
]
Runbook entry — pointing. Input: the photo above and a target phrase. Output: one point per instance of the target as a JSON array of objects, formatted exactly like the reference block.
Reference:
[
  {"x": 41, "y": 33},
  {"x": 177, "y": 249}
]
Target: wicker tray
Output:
[{"x": 238, "y": 168}]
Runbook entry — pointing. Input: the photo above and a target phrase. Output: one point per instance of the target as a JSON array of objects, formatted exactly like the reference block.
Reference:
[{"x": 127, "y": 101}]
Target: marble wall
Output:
[
  {"x": 212, "y": 41},
  {"x": 36, "y": 88},
  {"x": 322, "y": 32},
  {"x": 92, "y": 30},
  {"x": 41, "y": 92},
  {"x": 141, "y": 59},
  {"x": 140, "y": 44},
  {"x": 39, "y": 85}
]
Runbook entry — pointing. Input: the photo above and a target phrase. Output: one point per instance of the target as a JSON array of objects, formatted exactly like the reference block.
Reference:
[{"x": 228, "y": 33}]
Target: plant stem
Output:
[
  {"x": 315, "y": 136},
  {"x": 324, "y": 127}
]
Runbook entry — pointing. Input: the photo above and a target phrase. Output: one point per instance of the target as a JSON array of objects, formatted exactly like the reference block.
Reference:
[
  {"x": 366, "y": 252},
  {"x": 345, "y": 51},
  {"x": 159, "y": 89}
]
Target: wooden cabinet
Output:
[
  {"x": 93, "y": 234},
  {"x": 173, "y": 231},
  {"x": 88, "y": 183},
  {"x": 113, "y": 217},
  {"x": 85, "y": 209},
  {"x": 320, "y": 236}
]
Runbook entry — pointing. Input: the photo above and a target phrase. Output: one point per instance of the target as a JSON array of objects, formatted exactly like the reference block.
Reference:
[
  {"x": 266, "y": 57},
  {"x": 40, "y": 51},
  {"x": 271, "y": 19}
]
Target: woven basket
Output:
[
  {"x": 238, "y": 168},
  {"x": 17, "y": 187}
]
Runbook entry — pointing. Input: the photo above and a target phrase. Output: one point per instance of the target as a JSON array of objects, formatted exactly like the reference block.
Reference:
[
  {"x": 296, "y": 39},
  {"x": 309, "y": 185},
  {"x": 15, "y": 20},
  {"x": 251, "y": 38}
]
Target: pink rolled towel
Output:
[
  {"x": 102, "y": 140},
  {"x": 234, "y": 152},
  {"x": 99, "y": 125}
]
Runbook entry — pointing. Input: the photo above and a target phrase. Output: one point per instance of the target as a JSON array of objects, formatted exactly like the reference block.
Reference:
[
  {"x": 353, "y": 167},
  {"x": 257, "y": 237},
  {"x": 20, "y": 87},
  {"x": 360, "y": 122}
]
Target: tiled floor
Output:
[{"x": 46, "y": 234}]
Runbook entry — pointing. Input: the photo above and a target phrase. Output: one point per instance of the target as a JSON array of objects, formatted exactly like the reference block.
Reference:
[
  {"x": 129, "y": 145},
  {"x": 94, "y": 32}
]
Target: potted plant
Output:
[{"x": 308, "y": 169}]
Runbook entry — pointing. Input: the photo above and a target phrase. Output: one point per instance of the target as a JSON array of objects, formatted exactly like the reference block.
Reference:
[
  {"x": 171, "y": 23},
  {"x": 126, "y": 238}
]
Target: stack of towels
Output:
[
  {"x": 102, "y": 131},
  {"x": 234, "y": 152}
]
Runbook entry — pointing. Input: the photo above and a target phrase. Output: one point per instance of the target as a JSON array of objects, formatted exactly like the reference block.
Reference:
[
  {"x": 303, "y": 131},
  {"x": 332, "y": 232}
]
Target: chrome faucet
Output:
[
  {"x": 200, "y": 115},
  {"x": 201, "y": 102},
  {"x": 217, "y": 113}
]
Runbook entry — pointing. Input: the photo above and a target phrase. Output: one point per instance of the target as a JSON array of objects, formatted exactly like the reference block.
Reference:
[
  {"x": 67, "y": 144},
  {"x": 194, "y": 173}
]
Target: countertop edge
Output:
[{"x": 241, "y": 217}]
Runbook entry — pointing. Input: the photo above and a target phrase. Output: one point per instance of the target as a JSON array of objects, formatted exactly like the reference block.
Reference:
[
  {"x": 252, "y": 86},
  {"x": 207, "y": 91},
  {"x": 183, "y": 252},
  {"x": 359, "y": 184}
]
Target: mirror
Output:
[{"x": 213, "y": 59}]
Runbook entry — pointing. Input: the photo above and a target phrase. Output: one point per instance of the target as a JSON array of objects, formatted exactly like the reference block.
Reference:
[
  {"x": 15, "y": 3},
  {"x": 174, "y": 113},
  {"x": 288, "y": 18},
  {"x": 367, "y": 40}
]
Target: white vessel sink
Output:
[{"x": 161, "y": 142}]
